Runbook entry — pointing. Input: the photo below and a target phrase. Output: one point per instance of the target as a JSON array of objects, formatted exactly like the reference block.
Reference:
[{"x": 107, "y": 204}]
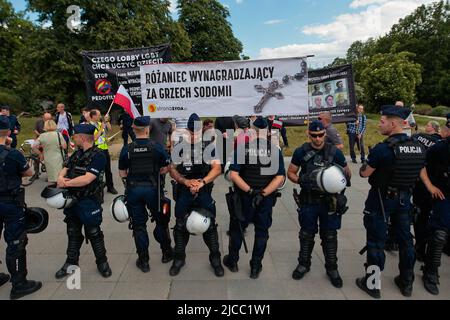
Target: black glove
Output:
[{"x": 257, "y": 200}]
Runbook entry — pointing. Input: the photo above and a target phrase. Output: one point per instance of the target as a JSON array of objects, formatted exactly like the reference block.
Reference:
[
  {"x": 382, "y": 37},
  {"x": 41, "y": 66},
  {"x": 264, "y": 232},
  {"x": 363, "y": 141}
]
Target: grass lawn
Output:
[{"x": 296, "y": 135}]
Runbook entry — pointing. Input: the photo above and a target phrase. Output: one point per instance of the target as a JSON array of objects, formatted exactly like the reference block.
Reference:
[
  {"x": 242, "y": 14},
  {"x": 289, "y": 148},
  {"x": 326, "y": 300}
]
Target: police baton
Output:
[{"x": 381, "y": 204}]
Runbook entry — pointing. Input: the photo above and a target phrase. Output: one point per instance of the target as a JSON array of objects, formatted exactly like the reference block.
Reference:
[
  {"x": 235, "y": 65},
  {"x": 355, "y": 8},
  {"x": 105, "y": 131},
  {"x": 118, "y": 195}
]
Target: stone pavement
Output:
[{"x": 46, "y": 253}]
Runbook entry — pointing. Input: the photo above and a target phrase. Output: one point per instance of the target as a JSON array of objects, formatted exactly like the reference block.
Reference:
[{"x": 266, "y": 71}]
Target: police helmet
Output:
[
  {"x": 36, "y": 220},
  {"x": 56, "y": 197},
  {"x": 119, "y": 210},
  {"x": 198, "y": 221},
  {"x": 330, "y": 179}
]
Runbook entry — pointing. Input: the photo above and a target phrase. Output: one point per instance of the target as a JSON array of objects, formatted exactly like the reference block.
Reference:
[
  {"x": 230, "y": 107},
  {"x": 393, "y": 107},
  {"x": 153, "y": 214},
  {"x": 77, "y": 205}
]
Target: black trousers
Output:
[
  {"x": 108, "y": 173},
  {"x": 352, "y": 137}
]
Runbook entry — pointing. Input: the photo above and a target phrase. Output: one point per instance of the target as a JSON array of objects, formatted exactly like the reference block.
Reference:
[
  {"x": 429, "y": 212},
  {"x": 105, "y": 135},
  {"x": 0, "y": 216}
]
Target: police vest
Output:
[
  {"x": 77, "y": 166},
  {"x": 409, "y": 159},
  {"x": 8, "y": 183},
  {"x": 142, "y": 162},
  {"x": 193, "y": 165},
  {"x": 315, "y": 159},
  {"x": 251, "y": 171},
  {"x": 440, "y": 174},
  {"x": 101, "y": 141},
  {"x": 427, "y": 140}
]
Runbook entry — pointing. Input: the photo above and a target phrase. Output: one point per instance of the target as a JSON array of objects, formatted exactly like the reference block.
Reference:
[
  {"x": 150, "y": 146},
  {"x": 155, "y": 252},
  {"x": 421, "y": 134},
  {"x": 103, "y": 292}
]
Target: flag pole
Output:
[{"x": 112, "y": 102}]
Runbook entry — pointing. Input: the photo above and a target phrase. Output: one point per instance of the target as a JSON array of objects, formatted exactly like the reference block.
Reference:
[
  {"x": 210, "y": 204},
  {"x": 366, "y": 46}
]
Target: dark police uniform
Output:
[
  {"x": 422, "y": 200},
  {"x": 12, "y": 215},
  {"x": 186, "y": 201},
  {"x": 127, "y": 129},
  {"x": 317, "y": 206},
  {"x": 258, "y": 157},
  {"x": 13, "y": 125},
  {"x": 438, "y": 169},
  {"x": 397, "y": 162},
  {"x": 86, "y": 210},
  {"x": 143, "y": 159}
]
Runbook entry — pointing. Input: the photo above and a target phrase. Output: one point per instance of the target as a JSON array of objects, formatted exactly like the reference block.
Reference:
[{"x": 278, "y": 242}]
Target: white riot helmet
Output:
[
  {"x": 330, "y": 179},
  {"x": 119, "y": 210},
  {"x": 198, "y": 221},
  {"x": 56, "y": 198}
]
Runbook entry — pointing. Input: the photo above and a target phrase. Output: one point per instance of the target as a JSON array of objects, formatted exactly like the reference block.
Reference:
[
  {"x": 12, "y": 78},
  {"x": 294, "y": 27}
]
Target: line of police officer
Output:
[{"x": 393, "y": 167}]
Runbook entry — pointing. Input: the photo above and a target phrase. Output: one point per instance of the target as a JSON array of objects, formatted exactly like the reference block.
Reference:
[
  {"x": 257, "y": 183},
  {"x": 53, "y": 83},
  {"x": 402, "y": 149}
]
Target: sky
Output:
[{"x": 289, "y": 28}]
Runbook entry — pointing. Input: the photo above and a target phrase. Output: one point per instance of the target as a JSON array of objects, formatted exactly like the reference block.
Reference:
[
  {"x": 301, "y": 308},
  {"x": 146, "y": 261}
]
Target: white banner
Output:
[{"x": 215, "y": 89}]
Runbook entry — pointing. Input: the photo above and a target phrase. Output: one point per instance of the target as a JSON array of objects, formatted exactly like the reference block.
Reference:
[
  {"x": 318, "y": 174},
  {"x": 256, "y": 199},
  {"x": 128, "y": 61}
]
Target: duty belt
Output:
[
  {"x": 312, "y": 197},
  {"x": 394, "y": 193},
  {"x": 140, "y": 184},
  {"x": 18, "y": 195}
]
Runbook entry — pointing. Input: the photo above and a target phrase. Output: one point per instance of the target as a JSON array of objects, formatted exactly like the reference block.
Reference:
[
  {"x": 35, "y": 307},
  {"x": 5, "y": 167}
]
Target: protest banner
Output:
[
  {"x": 260, "y": 87},
  {"x": 105, "y": 71}
]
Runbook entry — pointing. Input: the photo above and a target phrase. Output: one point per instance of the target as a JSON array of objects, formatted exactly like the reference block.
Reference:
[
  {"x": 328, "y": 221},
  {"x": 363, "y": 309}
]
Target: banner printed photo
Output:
[
  {"x": 105, "y": 71},
  {"x": 330, "y": 89},
  {"x": 250, "y": 87}
]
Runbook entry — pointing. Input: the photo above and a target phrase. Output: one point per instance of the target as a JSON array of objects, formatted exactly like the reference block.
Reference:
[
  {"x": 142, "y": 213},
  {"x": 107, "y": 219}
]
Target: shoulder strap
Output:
[
  {"x": 310, "y": 153},
  {"x": 330, "y": 152}
]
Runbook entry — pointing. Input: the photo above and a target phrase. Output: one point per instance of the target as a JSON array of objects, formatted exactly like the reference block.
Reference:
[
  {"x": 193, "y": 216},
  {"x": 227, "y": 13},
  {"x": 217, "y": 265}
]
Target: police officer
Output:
[
  {"x": 393, "y": 167},
  {"x": 256, "y": 174},
  {"x": 421, "y": 198},
  {"x": 194, "y": 178},
  {"x": 13, "y": 167},
  {"x": 141, "y": 163},
  {"x": 316, "y": 205},
  {"x": 14, "y": 125},
  {"x": 82, "y": 175},
  {"x": 438, "y": 170}
]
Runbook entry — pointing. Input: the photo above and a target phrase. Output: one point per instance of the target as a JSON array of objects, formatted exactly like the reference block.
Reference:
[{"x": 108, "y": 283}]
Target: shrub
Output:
[
  {"x": 440, "y": 111},
  {"x": 7, "y": 97},
  {"x": 423, "y": 109}
]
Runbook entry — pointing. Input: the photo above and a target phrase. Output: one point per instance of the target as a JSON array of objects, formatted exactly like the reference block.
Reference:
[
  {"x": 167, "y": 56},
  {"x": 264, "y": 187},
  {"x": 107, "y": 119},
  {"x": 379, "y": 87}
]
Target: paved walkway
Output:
[{"x": 46, "y": 253}]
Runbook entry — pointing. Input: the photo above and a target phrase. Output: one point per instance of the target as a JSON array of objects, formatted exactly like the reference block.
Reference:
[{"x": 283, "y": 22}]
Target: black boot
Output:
[
  {"x": 362, "y": 284},
  {"x": 4, "y": 278},
  {"x": 181, "y": 238},
  {"x": 231, "y": 265},
  {"x": 211, "y": 239},
  {"x": 433, "y": 261},
  {"x": 17, "y": 267},
  {"x": 96, "y": 238},
  {"x": 255, "y": 268},
  {"x": 405, "y": 281},
  {"x": 75, "y": 241},
  {"x": 329, "y": 248},
  {"x": 142, "y": 261},
  {"x": 304, "y": 257},
  {"x": 167, "y": 255}
]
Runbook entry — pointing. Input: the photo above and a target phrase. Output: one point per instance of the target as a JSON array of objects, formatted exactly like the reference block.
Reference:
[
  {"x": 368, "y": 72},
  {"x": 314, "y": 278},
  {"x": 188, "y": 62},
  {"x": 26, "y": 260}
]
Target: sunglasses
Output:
[{"x": 318, "y": 135}]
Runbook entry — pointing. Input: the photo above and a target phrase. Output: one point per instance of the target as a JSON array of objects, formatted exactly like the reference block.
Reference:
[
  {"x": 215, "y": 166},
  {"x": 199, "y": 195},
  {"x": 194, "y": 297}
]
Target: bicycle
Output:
[{"x": 33, "y": 160}]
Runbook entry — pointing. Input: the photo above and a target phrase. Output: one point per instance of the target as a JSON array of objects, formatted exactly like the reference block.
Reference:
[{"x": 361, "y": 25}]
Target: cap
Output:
[
  {"x": 191, "y": 122},
  {"x": 400, "y": 112},
  {"x": 260, "y": 123},
  {"x": 241, "y": 122},
  {"x": 143, "y": 121},
  {"x": 4, "y": 123},
  {"x": 84, "y": 129},
  {"x": 315, "y": 126},
  {"x": 5, "y": 107}
]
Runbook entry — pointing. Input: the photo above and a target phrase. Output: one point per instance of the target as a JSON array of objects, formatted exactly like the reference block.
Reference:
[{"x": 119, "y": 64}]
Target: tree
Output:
[
  {"x": 426, "y": 33},
  {"x": 52, "y": 58},
  {"x": 206, "y": 23},
  {"x": 390, "y": 77}
]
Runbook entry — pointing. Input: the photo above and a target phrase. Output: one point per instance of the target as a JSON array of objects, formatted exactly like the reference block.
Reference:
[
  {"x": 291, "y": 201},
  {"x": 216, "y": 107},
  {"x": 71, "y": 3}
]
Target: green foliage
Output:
[
  {"x": 390, "y": 77},
  {"x": 440, "y": 111},
  {"x": 7, "y": 97},
  {"x": 423, "y": 109},
  {"x": 206, "y": 23}
]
